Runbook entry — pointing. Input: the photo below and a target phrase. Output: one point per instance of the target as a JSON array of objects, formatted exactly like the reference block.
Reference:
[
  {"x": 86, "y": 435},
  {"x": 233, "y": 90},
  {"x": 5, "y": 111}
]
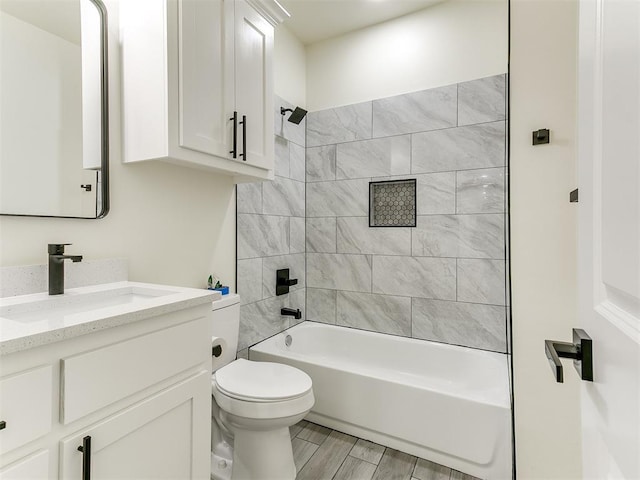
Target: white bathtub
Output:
[{"x": 440, "y": 402}]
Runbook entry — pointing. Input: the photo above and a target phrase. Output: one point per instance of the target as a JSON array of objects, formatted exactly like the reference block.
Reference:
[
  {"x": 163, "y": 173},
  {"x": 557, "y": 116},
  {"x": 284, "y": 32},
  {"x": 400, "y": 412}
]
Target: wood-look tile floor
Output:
[{"x": 324, "y": 454}]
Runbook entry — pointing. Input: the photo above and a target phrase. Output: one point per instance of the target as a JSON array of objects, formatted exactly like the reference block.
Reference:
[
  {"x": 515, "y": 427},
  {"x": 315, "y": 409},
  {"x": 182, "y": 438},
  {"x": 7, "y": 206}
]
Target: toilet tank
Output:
[{"x": 226, "y": 325}]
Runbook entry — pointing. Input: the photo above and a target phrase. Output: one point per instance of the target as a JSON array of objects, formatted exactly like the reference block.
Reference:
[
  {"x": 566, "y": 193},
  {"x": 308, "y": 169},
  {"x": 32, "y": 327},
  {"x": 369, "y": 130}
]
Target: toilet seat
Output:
[
  {"x": 262, "y": 381},
  {"x": 262, "y": 390}
]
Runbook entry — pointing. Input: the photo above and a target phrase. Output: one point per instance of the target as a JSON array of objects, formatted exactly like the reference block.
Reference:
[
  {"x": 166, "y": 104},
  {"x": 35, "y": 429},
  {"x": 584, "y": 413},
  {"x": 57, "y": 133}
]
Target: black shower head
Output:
[{"x": 296, "y": 115}]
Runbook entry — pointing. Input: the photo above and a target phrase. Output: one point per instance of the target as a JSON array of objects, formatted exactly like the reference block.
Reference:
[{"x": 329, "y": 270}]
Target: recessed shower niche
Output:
[{"x": 392, "y": 203}]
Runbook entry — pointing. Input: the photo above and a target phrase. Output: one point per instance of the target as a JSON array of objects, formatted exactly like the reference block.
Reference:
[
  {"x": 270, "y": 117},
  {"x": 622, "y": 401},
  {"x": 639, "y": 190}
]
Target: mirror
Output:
[{"x": 53, "y": 108}]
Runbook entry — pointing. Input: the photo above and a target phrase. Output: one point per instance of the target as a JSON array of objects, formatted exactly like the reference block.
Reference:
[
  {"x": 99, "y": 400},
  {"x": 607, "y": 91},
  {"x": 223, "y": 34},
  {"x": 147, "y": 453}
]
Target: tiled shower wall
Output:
[
  {"x": 271, "y": 236},
  {"x": 443, "y": 280}
]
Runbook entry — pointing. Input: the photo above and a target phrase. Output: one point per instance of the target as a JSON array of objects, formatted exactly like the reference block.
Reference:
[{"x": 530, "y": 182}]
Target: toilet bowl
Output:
[{"x": 253, "y": 406}]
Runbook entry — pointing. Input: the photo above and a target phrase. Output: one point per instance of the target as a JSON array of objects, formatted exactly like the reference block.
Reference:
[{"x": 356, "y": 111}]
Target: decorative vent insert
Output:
[{"x": 392, "y": 203}]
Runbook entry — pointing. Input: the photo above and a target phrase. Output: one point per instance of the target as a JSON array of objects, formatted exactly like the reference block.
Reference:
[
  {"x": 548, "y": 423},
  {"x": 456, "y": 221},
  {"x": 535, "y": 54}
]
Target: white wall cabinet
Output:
[
  {"x": 198, "y": 83},
  {"x": 141, "y": 392}
]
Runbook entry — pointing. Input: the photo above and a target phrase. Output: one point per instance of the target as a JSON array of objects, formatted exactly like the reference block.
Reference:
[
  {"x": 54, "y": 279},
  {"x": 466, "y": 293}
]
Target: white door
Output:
[
  {"x": 254, "y": 87},
  {"x": 164, "y": 437},
  {"x": 609, "y": 234}
]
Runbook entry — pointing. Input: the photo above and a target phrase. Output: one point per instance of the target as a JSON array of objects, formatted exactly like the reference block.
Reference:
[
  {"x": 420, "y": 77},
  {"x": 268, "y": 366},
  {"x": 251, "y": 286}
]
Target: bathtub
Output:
[{"x": 443, "y": 403}]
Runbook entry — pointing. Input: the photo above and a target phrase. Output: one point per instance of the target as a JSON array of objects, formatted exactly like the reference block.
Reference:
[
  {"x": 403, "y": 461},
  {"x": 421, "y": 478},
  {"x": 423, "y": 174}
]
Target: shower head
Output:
[{"x": 296, "y": 115}]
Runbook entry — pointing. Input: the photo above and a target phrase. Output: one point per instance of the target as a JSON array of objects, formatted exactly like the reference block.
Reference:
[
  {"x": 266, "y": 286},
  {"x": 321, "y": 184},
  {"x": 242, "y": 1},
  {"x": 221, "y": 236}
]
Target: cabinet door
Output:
[
  {"x": 164, "y": 437},
  {"x": 25, "y": 407},
  {"x": 34, "y": 467},
  {"x": 206, "y": 89},
  {"x": 254, "y": 84}
]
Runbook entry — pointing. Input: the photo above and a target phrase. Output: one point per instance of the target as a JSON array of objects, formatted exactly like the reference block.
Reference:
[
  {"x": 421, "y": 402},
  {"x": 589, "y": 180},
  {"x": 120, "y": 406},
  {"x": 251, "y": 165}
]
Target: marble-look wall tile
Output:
[
  {"x": 379, "y": 313},
  {"x": 296, "y": 265},
  {"x": 480, "y": 191},
  {"x": 469, "y": 324},
  {"x": 249, "y": 197},
  {"x": 284, "y": 128},
  {"x": 321, "y": 235},
  {"x": 281, "y": 159},
  {"x": 482, "y": 100},
  {"x": 296, "y": 299},
  {"x": 260, "y": 320},
  {"x": 481, "y": 281},
  {"x": 415, "y": 112},
  {"x": 464, "y": 236},
  {"x": 342, "y": 198},
  {"x": 244, "y": 353},
  {"x": 321, "y": 163},
  {"x": 262, "y": 235},
  {"x": 283, "y": 196},
  {"x": 461, "y": 148},
  {"x": 297, "y": 162},
  {"x": 355, "y": 236},
  {"x": 297, "y": 235},
  {"x": 436, "y": 193},
  {"x": 321, "y": 305},
  {"x": 250, "y": 280},
  {"x": 415, "y": 276},
  {"x": 374, "y": 158},
  {"x": 337, "y": 125},
  {"x": 343, "y": 272}
]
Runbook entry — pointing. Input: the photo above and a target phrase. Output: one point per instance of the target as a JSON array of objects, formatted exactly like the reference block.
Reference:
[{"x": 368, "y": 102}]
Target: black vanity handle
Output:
[
  {"x": 3, "y": 424},
  {"x": 234, "y": 152},
  {"x": 244, "y": 138},
  {"x": 580, "y": 350},
  {"x": 86, "y": 457}
]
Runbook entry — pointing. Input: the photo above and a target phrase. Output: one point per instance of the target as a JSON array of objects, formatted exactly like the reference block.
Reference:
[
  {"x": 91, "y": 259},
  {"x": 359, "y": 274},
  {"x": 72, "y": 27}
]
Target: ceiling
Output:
[{"x": 316, "y": 20}]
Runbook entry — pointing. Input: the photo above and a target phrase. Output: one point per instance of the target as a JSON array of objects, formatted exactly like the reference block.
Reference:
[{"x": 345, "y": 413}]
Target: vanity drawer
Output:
[
  {"x": 95, "y": 379},
  {"x": 25, "y": 407}
]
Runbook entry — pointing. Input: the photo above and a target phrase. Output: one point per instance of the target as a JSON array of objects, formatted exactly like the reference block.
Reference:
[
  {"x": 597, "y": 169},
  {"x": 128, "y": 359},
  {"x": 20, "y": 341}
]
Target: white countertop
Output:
[{"x": 28, "y": 321}]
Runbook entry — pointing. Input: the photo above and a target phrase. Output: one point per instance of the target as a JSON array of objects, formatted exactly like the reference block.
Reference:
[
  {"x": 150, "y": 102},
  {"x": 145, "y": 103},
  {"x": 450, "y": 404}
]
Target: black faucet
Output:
[
  {"x": 56, "y": 267},
  {"x": 297, "y": 314}
]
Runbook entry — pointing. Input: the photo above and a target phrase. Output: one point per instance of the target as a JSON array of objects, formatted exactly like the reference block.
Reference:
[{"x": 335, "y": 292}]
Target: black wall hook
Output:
[{"x": 541, "y": 136}]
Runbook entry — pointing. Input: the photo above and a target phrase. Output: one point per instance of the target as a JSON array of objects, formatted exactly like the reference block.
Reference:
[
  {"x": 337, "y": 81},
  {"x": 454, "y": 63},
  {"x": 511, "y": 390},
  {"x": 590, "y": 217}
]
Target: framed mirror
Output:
[{"x": 54, "y": 142}]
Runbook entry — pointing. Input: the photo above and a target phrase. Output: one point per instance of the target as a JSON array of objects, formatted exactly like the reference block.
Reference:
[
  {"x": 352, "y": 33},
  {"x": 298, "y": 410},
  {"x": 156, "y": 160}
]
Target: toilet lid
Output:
[{"x": 262, "y": 381}]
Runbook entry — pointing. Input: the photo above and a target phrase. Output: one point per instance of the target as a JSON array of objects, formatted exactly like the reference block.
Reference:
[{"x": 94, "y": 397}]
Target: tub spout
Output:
[{"x": 297, "y": 314}]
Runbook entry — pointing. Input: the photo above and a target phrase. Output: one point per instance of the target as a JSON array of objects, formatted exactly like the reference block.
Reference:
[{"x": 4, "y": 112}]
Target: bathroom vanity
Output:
[{"x": 110, "y": 381}]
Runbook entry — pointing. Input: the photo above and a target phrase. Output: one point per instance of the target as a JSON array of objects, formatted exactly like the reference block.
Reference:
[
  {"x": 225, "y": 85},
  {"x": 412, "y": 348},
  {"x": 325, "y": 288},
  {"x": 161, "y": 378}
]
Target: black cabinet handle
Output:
[
  {"x": 85, "y": 448},
  {"x": 3, "y": 424},
  {"x": 244, "y": 138},
  {"x": 234, "y": 152}
]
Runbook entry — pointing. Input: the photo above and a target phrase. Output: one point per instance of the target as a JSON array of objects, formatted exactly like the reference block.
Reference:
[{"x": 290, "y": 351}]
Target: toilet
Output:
[{"x": 253, "y": 406}]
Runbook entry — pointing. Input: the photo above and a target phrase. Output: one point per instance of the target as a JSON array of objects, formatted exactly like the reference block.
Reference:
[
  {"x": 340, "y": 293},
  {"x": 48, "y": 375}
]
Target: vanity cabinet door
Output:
[
  {"x": 25, "y": 407},
  {"x": 254, "y": 84},
  {"x": 163, "y": 437},
  {"x": 206, "y": 88},
  {"x": 34, "y": 467}
]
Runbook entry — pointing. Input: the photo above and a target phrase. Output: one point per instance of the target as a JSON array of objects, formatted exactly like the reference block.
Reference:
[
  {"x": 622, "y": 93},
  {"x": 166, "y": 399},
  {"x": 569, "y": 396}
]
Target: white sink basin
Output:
[
  {"x": 39, "y": 318},
  {"x": 57, "y": 307}
]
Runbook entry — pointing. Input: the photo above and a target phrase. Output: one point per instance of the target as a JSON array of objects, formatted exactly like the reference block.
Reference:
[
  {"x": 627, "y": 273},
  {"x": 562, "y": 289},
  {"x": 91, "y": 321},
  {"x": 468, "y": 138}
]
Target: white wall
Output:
[
  {"x": 448, "y": 43},
  {"x": 175, "y": 225},
  {"x": 543, "y": 235},
  {"x": 289, "y": 66}
]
